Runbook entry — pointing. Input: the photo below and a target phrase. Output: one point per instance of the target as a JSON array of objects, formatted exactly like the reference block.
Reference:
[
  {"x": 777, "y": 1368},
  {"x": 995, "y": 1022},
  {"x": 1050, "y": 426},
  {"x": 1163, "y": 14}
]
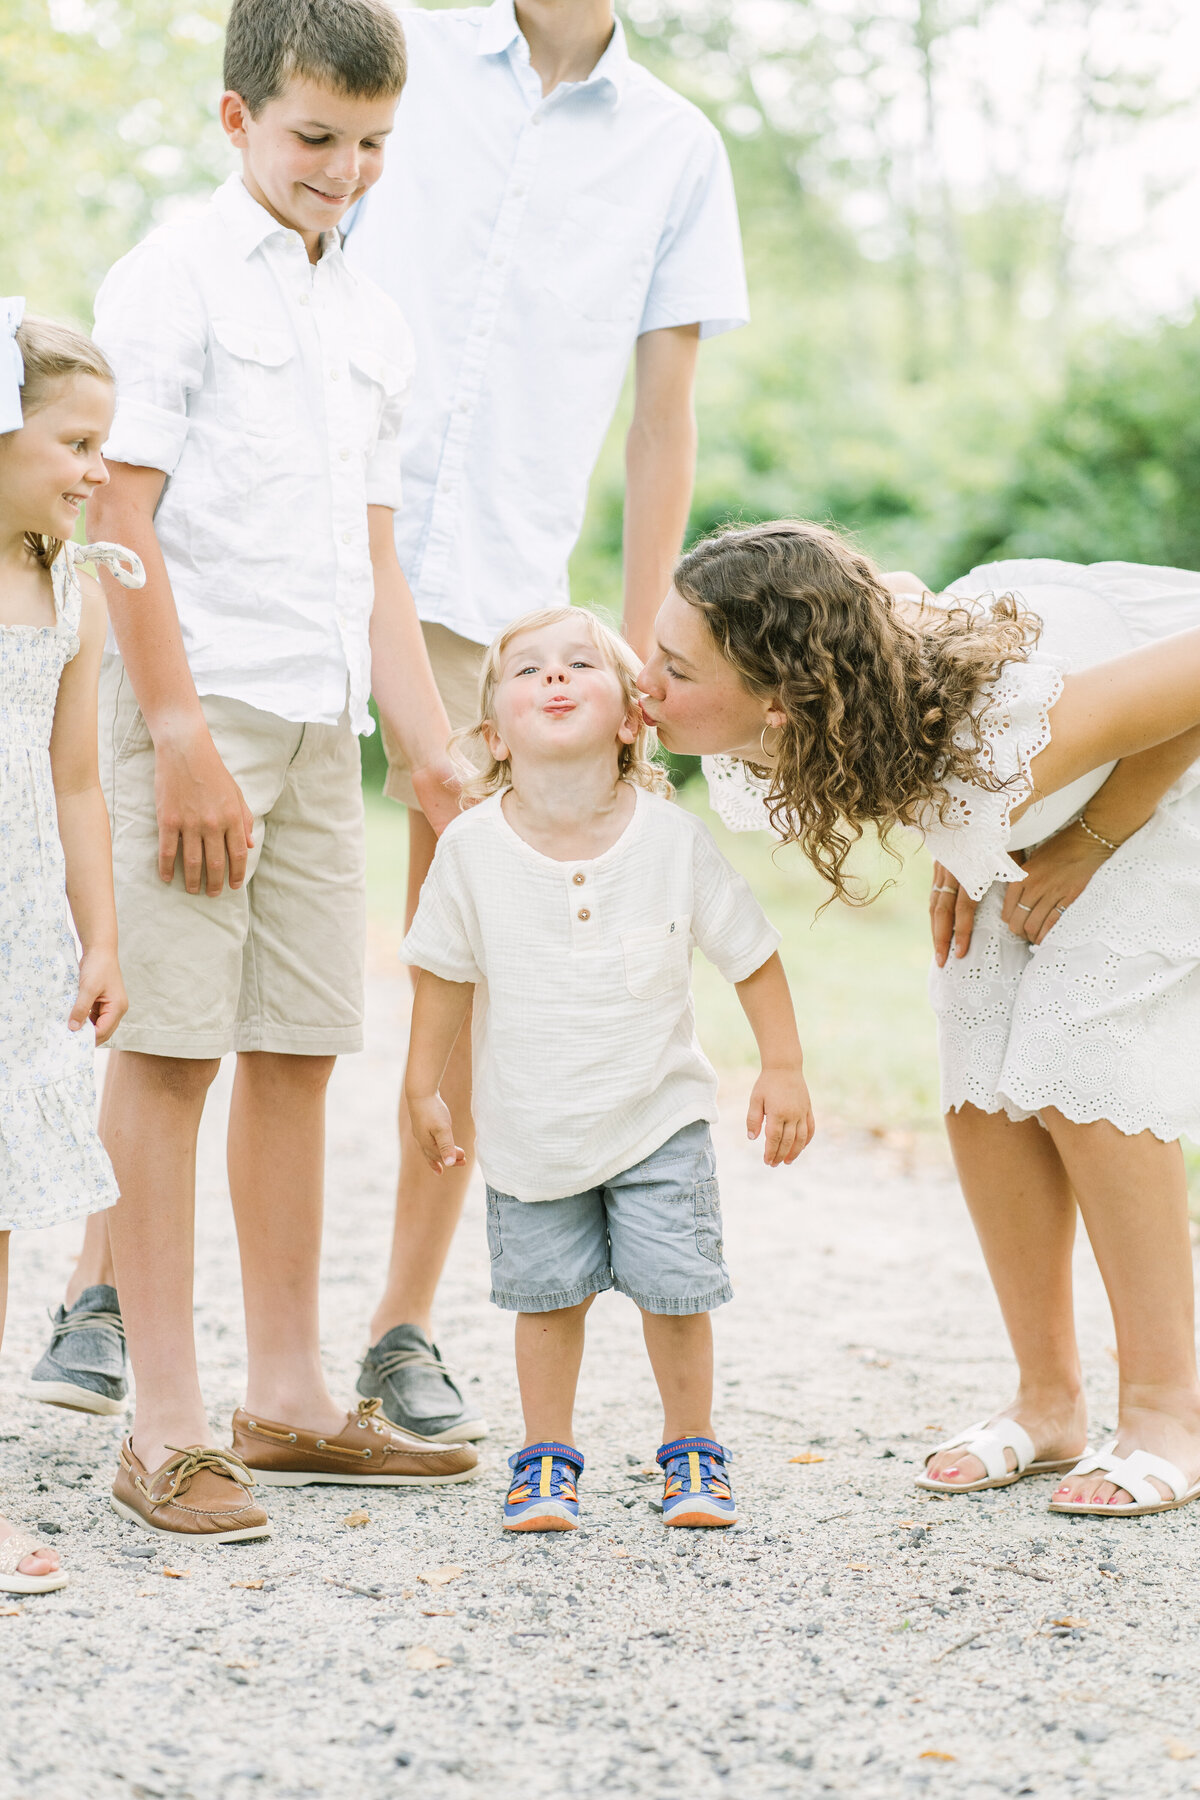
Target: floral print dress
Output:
[{"x": 52, "y": 1164}]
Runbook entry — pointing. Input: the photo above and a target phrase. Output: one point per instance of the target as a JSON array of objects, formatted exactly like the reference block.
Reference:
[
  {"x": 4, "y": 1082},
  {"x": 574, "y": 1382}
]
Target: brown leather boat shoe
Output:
[
  {"x": 367, "y": 1452},
  {"x": 199, "y": 1493}
]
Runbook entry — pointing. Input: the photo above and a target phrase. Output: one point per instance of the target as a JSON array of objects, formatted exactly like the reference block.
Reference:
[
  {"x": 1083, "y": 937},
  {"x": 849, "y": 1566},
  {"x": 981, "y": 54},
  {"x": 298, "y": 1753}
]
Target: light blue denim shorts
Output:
[{"x": 653, "y": 1232}]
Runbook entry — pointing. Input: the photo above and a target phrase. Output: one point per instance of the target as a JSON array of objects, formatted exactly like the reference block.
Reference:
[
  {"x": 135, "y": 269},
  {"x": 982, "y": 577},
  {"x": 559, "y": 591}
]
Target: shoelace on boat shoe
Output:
[
  {"x": 187, "y": 1464},
  {"x": 88, "y": 1321},
  {"x": 391, "y": 1360}
]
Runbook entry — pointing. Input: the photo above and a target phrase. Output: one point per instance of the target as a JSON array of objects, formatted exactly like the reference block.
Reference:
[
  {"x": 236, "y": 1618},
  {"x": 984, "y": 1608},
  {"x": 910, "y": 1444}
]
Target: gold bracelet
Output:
[{"x": 1107, "y": 842}]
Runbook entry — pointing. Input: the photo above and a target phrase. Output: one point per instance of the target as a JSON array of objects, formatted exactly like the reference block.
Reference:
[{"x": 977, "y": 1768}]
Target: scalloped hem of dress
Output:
[{"x": 1019, "y": 1115}]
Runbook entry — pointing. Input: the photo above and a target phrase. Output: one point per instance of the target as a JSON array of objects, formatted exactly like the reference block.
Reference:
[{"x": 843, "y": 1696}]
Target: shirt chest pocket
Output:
[
  {"x": 657, "y": 962},
  {"x": 258, "y": 378},
  {"x": 600, "y": 260}
]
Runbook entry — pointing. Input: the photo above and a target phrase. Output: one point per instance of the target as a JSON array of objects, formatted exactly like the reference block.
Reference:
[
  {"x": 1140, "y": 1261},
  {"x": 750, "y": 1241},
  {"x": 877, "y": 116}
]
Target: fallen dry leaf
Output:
[
  {"x": 863, "y": 1568},
  {"x": 177, "y": 1574},
  {"x": 424, "y": 1656},
  {"x": 439, "y": 1577},
  {"x": 618, "y": 1550},
  {"x": 437, "y": 1612},
  {"x": 1073, "y": 1622},
  {"x": 937, "y": 1756},
  {"x": 11, "y": 1612},
  {"x": 256, "y": 1583},
  {"x": 242, "y": 1662},
  {"x": 1178, "y": 1752},
  {"x": 357, "y": 1517},
  {"x": 807, "y": 1456}
]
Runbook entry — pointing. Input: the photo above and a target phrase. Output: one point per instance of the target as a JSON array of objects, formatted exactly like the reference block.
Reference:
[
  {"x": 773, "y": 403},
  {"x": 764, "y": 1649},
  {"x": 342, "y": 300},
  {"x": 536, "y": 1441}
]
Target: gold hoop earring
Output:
[{"x": 770, "y": 755}]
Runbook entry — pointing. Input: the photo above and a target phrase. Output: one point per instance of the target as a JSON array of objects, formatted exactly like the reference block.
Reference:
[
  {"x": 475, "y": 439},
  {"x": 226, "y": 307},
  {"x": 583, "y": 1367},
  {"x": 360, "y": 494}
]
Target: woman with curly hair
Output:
[{"x": 1039, "y": 725}]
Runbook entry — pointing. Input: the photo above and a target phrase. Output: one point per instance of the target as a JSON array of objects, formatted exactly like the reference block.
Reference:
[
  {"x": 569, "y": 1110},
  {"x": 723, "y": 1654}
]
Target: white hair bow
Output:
[{"x": 12, "y": 364}]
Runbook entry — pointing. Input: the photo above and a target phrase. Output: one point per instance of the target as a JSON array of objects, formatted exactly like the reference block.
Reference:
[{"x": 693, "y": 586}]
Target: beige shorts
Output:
[
  {"x": 278, "y": 965},
  {"x": 456, "y": 662}
]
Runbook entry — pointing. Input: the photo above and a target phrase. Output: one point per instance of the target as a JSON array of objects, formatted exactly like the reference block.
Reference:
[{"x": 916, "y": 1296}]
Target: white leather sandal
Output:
[
  {"x": 1132, "y": 1474},
  {"x": 13, "y": 1550},
  {"x": 990, "y": 1443}
]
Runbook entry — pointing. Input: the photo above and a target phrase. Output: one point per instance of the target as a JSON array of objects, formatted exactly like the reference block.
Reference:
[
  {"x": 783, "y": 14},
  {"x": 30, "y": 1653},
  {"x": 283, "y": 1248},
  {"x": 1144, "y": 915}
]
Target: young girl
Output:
[
  {"x": 1041, "y": 710},
  {"x": 566, "y": 904},
  {"x": 56, "y": 407}
]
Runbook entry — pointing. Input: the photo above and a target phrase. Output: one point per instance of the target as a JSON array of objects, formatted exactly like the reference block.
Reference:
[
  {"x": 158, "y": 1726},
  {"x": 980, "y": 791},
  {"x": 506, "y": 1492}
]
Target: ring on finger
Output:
[
  {"x": 1021, "y": 907},
  {"x": 945, "y": 890},
  {"x": 1059, "y": 909}
]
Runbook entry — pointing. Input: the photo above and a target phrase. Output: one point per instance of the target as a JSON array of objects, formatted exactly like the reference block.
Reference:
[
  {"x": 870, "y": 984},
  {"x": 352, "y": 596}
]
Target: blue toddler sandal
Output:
[
  {"x": 697, "y": 1489},
  {"x": 542, "y": 1495}
]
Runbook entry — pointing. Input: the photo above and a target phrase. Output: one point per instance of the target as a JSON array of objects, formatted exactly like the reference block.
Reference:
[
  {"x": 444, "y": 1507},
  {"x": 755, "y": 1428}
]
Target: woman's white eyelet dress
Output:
[
  {"x": 1102, "y": 1020},
  {"x": 52, "y": 1164}
]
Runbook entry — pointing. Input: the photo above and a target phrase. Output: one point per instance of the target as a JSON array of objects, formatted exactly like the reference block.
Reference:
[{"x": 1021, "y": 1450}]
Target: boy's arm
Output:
[
  {"x": 660, "y": 468},
  {"x": 780, "y": 1097},
  {"x": 402, "y": 680},
  {"x": 439, "y": 1011},
  {"x": 83, "y": 826},
  {"x": 201, "y": 812}
]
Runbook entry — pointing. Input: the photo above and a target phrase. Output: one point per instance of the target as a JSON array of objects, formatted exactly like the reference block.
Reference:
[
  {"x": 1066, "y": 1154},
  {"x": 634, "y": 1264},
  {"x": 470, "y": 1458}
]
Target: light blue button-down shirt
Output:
[{"x": 528, "y": 242}]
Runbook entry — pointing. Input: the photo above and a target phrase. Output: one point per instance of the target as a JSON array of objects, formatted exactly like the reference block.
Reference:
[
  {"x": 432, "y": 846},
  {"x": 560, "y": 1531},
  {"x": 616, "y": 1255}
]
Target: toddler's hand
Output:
[
  {"x": 434, "y": 1132},
  {"x": 101, "y": 997},
  {"x": 780, "y": 1101}
]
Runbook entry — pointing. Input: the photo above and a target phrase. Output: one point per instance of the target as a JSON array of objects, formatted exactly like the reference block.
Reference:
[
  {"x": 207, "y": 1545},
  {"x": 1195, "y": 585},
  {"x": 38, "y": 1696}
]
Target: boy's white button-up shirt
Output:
[
  {"x": 584, "y": 1033},
  {"x": 529, "y": 242},
  {"x": 270, "y": 392}
]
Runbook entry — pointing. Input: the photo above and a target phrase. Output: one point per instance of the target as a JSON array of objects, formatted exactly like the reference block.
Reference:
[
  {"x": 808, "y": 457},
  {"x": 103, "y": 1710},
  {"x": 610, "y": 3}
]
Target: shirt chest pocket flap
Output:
[
  {"x": 258, "y": 377},
  {"x": 657, "y": 959},
  {"x": 378, "y": 382}
]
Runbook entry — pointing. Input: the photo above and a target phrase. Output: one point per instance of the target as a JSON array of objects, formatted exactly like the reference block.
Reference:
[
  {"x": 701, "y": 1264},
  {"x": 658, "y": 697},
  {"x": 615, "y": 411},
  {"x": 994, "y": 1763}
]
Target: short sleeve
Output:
[
  {"x": 973, "y": 840},
  {"x": 152, "y": 325},
  {"x": 439, "y": 939},
  {"x": 383, "y": 474},
  {"x": 699, "y": 274},
  {"x": 728, "y": 924}
]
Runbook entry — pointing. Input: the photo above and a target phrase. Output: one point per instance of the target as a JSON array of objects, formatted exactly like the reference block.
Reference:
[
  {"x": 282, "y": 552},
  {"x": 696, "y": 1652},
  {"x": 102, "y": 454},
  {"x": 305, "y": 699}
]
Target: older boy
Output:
[
  {"x": 255, "y": 471},
  {"x": 548, "y": 206}
]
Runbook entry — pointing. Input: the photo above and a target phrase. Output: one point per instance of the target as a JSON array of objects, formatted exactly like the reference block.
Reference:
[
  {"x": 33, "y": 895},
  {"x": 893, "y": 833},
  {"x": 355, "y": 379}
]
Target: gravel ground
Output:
[{"x": 851, "y": 1637}]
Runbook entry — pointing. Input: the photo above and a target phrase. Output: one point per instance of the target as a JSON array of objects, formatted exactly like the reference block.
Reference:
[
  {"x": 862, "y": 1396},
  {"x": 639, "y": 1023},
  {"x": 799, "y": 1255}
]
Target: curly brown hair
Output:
[{"x": 880, "y": 713}]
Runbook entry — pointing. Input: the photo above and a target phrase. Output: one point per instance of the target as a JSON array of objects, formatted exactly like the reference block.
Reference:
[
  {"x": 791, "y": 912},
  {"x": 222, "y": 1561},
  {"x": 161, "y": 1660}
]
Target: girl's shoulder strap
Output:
[
  {"x": 68, "y": 600},
  {"x": 120, "y": 562}
]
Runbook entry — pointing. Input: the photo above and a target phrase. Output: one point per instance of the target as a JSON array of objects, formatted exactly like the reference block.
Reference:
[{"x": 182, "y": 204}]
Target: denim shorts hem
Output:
[
  {"x": 511, "y": 1301},
  {"x": 658, "y": 1303}
]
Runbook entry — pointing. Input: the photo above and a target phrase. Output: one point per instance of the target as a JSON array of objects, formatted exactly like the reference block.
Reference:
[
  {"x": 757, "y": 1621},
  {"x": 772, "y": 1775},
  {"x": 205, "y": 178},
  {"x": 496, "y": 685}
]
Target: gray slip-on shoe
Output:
[
  {"x": 84, "y": 1366},
  {"x": 405, "y": 1372}
]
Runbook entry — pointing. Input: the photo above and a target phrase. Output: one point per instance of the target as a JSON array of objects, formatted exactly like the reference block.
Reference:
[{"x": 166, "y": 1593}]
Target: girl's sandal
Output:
[
  {"x": 1130, "y": 1473},
  {"x": 991, "y": 1443},
  {"x": 13, "y": 1550}
]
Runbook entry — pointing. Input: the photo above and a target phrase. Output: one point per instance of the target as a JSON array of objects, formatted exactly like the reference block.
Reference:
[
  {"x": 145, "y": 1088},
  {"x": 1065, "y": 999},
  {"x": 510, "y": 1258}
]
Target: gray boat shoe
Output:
[
  {"x": 84, "y": 1367},
  {"x": 406, "y": 1373}
]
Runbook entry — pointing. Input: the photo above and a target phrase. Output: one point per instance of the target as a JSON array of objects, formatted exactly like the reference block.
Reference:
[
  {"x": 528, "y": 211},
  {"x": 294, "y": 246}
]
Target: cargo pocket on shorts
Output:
[
  {"x": 706, "y": 1199},
  {"x": 495, "y": 1246}
]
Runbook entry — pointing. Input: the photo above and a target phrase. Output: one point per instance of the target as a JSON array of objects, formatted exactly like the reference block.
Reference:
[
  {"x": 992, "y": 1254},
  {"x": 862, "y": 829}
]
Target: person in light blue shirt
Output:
[{"x": 549, "y": 210}]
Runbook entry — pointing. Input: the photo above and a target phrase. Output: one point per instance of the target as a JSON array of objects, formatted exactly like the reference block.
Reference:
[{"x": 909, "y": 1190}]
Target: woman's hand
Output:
[
  {"x": 780, "y": 1102},
  {"x": 951, "y": 916},
  {"x": 101, "y": 997},
  {"x": 1055, "y": 874}
]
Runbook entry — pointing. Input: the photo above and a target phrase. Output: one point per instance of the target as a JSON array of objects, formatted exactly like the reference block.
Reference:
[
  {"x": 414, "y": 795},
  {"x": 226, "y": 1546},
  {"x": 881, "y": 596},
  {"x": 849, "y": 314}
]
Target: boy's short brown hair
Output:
[{"x": 354, "y": 46}]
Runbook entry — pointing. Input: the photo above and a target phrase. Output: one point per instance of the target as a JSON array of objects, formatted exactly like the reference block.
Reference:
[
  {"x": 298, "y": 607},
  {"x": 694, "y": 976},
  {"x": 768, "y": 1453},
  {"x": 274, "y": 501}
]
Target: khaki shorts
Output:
[
  {"x": 456, "y": 662},
  {"x": 278, "y": 965}
]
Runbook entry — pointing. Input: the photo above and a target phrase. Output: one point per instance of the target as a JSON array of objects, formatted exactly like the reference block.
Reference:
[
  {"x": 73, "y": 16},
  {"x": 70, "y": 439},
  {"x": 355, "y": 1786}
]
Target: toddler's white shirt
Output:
[
  {"x": 269, "y": 390},
  {"x": 586, "y": 1057}
]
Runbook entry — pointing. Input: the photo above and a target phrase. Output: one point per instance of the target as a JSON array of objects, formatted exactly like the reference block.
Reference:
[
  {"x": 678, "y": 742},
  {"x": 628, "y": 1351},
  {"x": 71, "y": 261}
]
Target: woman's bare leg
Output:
[
  {"x": 1023, "y": 1210},
  {"x": 41, "y": 1562},
  {"x": 1133, "y": 1196}
]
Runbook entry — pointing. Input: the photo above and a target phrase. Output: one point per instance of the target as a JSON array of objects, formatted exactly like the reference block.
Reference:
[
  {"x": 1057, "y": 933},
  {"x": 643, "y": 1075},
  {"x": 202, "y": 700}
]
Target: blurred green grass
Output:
[{"x": 857, "y": 973}]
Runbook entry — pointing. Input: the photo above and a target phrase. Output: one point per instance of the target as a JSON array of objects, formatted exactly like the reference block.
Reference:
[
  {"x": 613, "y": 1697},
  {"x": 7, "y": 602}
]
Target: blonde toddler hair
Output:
[{"x": 479, "y": 770}]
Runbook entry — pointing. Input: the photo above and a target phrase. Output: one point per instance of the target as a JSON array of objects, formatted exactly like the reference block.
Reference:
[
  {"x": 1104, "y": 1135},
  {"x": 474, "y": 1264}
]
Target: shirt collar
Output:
[
  {"x": 498, "y": 31},
  {"x": 250, "y": 224}
]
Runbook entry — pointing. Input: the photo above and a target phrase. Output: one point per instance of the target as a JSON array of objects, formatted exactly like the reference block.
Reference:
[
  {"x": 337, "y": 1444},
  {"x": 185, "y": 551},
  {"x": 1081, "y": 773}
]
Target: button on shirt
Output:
[
  {"x": 529, "y": 242},
  {"x": 585, "y": 1048},
  {"x": 270, "y": 392}
]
